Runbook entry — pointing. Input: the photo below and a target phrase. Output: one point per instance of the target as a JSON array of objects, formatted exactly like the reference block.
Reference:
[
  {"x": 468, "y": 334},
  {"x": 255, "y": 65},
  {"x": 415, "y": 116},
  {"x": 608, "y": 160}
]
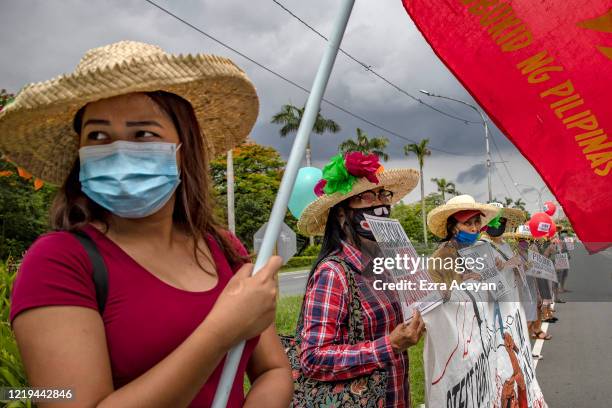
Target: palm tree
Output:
[
  {"x": 509, "y": 201},
  {"x": 444, "y": 187},
  {"x": 420, "y": 150},
  {"x": 520, "y": 204},
  {"x": 365, "y": 145},
  {"x": 290, "y": 117}
]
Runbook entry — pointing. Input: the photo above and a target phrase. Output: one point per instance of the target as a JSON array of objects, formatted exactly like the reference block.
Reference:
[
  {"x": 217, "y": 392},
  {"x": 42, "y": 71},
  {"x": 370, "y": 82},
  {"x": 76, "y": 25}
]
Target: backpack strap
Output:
[{"x": 100, "y": 274}]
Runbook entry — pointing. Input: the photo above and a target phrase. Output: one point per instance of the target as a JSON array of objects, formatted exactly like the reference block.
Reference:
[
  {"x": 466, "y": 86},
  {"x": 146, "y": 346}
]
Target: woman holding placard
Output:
[
  {"x": 351, "y": 340},
  {"x": 458, "y": 223},
  {"x": 525, "y": 243}
]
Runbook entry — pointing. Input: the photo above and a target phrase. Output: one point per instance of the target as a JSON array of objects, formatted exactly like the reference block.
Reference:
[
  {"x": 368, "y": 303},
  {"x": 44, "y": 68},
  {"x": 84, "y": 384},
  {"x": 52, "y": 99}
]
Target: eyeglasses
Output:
[{"x": 370, "y": 196}]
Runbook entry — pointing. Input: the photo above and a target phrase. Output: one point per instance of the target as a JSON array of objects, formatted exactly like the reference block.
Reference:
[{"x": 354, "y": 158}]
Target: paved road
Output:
[
  {"x": 577, "y": 367},
  {"x": 292, "y": 283}
]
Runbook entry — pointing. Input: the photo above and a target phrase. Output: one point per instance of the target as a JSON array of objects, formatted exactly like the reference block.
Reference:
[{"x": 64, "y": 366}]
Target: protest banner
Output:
[
  {"x": 561, "y": 261},
  {"x": 489, "y": 273},
  {"x": 569, "y": 243},
  {"x": 474, "y": 359},
  {"x": 541, "y": 267},
  {"x": 545, "y": 96},
  {"x": 395, "y": 244}
]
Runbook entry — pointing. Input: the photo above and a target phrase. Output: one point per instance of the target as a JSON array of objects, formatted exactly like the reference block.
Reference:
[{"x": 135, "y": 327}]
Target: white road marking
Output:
[{"x": 539, "y": 343}]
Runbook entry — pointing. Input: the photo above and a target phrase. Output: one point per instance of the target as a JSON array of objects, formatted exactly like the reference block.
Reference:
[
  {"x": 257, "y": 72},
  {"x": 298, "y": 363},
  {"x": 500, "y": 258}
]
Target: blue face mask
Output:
[
  {"x": 130, "y": 179},
  {"x": 467, "y": 238}
]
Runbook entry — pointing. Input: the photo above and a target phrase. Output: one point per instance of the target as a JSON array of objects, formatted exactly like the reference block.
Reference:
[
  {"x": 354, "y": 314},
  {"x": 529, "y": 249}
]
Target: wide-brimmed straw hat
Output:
[
  {"x": 399, "y": 181},
  {"x": 36, "y": 128},
  {"x": 436, "y": 219},
  {"x": 521, "y": 232},
  {"x": 514, "y": 216}
]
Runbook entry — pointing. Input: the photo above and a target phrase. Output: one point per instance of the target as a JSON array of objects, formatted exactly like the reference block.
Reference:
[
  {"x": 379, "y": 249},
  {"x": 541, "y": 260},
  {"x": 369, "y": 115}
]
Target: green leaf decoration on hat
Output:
[
  {"x": 495, "y": 222},
  {"x": 337, "y": 176}
]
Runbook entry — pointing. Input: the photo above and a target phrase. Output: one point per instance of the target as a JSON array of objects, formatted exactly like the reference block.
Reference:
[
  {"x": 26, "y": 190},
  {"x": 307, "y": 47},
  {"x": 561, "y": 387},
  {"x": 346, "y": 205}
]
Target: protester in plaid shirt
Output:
[{"x": 326, "y": 353}]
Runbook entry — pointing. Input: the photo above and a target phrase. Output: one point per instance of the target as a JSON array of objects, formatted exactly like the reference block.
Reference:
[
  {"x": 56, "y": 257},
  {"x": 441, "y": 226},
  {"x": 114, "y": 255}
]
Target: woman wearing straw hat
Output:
[
  {"x": 127, "y": 136},
  {"x": 547, "y": 248},
  {"x": 525, "y": 242},
  {"x": 352, "y": 186},
  {"x": 508, "y": 219},
  {"x": 458, "y": 223}
]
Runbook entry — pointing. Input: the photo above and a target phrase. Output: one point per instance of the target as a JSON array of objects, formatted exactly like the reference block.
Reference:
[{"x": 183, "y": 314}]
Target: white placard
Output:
[
  {"x": 561, "y": 261},
  {"x": 541, "y": 267},
  {"x": 490, "y": 274},
  {"x": 394, "y": 242}
]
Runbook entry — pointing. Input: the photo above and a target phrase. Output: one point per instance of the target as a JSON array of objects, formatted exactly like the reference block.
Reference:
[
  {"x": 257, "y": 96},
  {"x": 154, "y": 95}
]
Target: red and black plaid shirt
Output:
[{"x": 326, "y": 354}]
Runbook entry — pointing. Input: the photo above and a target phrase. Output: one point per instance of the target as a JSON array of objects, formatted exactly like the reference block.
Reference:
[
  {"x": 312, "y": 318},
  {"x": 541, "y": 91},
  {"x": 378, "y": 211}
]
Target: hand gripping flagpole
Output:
[{"x": 282, "y": 198}]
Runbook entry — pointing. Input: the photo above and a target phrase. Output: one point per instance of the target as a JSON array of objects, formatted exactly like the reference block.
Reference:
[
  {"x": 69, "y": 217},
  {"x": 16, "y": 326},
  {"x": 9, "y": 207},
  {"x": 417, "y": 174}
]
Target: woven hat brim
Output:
[
  {"x": 515, "y": 217},
  {"x": 36, "y": 129},
  {"x": 314, "y": 217},
  {"x": 436, "y": 219},
  {"x": 515, "y": 236}
]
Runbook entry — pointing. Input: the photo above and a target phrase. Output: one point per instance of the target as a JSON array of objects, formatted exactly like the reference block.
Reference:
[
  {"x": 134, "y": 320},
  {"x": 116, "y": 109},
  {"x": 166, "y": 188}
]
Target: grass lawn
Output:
[{"x": 286, "y": 316}]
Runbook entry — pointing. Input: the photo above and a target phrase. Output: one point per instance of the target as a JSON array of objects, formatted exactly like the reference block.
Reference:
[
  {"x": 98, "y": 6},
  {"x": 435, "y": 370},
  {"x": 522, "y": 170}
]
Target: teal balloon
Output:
[{"x": 303, "y": 189}]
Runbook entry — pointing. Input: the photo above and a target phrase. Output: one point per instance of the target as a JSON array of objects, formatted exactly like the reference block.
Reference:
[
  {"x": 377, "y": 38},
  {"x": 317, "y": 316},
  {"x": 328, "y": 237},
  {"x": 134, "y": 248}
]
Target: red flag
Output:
[{"x": 542, "y": 71}]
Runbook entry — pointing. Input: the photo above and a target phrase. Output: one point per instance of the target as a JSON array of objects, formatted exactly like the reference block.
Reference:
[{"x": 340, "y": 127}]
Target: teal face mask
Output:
[{"x": 130, "y": 179}]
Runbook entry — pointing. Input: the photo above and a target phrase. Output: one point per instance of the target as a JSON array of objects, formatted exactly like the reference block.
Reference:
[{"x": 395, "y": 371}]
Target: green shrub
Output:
[
  {"x": 312, "y": 250},
  {"x": 12, "y": 373},
  {"x": 305, "y": 261}
]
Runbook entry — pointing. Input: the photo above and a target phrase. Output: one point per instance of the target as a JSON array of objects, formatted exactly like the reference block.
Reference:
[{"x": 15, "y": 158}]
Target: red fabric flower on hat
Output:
[
  {"x": 318, "y": 189},
  {"x": 362, "y": 165}
]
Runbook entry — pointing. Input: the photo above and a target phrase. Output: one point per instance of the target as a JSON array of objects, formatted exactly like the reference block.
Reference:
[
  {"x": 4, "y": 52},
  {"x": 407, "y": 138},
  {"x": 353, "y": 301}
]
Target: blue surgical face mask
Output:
[
  {"x": 130, "y": 179},
  {"x": 466, "y": 237}
]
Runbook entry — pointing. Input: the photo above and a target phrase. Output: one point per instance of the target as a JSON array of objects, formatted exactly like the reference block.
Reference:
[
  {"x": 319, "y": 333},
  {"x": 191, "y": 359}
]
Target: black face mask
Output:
[
  {"x": 496, "y": 232},
  {"x": 359, "y": 223}
]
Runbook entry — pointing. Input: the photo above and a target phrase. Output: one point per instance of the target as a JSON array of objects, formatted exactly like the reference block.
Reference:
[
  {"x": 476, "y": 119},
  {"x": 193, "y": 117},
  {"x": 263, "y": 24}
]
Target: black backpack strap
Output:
[{"x": 100, "y": 274}]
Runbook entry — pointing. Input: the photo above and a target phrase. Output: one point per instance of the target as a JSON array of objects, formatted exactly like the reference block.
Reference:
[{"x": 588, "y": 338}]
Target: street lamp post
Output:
[{"x": 486, "y": 129}]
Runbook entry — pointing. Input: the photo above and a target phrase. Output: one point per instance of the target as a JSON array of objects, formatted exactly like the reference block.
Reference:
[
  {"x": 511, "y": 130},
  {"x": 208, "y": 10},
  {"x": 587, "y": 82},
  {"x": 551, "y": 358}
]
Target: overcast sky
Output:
[{"x": 40, "y": 39}]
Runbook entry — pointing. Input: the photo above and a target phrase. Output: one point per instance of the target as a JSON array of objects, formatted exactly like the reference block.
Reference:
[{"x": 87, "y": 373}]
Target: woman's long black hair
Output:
[{"x": 334, "y": 234}]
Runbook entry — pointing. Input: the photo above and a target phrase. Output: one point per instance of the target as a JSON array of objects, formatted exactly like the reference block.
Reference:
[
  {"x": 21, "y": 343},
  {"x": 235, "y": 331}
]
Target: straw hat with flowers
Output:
[
  {"x": 36, "y": 128},
  {"x": 462, "y": 206},
  {"x": 346, "y": 176}
]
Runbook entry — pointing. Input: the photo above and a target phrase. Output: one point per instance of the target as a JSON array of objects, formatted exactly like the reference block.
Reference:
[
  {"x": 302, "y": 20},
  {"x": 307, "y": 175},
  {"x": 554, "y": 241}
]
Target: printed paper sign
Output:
[
  {"x": 569, "y": 243},
  {"x": 394, "y": 243},
  {"x": 541, "y": 267},
  {"x": 543, "y": 226},
  {"x": 516, "y": 263},
  {"x": 490, "y": 274},
  {"x": 561, "y": 261}
]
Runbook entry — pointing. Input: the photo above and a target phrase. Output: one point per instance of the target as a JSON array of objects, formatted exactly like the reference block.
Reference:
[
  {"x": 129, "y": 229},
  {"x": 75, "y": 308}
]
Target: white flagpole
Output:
[{"x": 282, "y": 198}]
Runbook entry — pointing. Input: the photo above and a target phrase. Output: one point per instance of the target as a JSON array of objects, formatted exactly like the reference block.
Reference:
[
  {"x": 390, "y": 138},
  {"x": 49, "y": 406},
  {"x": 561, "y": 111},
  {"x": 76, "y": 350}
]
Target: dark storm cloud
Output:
[{"x": 474, "y": 174}]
